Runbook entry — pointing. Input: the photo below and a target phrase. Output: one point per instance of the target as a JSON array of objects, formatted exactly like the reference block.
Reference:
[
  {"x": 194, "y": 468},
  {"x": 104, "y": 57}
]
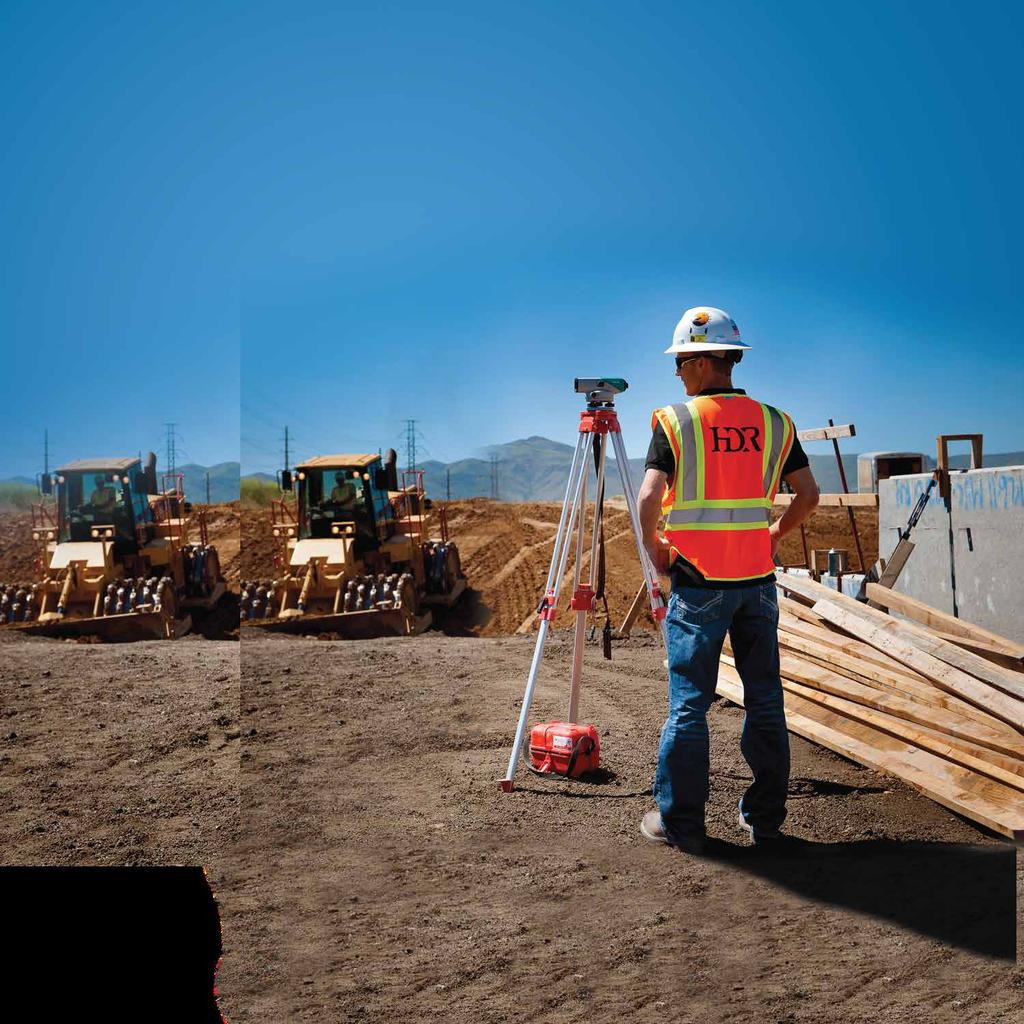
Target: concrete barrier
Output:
[{"x": 978, "y": 542}]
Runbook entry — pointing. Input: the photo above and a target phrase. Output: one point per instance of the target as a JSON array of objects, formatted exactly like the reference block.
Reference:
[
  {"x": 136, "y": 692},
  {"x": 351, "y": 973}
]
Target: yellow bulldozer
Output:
[
  {"x": 354, "y": 554},
  {"x": 121, "y": 557}
]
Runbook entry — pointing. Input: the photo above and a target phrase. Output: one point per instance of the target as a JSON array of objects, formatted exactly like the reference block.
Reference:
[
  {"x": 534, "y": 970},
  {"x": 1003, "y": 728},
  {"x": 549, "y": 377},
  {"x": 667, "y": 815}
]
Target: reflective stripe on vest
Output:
[{"x": 725, "y": 536}]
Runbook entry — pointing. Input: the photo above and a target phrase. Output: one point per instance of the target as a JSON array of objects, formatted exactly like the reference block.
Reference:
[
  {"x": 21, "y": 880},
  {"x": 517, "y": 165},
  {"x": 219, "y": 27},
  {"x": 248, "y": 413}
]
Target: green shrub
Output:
[
  {"x": 258, "y": 492},
  {"x": 17, "y": 495}
]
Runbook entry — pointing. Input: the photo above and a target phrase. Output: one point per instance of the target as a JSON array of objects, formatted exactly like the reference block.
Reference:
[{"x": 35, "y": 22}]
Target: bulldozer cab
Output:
[
  {"x": 97, "y": 496},
  {"x": 343, "y": 494}
]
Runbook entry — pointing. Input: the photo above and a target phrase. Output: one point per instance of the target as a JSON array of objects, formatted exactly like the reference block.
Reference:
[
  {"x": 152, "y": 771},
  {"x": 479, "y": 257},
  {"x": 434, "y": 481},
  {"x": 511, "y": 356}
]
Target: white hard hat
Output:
[{"x": 705, "y": 329}]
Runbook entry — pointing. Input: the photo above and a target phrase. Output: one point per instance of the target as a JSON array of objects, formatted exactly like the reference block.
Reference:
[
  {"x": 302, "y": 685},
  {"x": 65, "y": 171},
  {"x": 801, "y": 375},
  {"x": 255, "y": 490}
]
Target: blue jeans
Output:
[{"x": 698, "y": 620}]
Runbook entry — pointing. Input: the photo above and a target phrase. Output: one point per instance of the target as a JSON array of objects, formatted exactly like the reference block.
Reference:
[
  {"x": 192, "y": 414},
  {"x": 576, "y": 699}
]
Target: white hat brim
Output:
[{"x": 703, "y": 346}]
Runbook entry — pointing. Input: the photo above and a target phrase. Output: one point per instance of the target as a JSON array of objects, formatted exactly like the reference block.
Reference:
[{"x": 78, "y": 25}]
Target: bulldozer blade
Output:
[
  {"x": 113, "y": 628},
  {"x": 365, "y": 625}
]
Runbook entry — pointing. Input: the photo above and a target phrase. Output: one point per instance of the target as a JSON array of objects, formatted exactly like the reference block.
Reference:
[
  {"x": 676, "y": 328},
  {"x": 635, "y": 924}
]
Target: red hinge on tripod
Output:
[
  {"x": 599, "y": 421},
  {"x": 547, "y": 607}
]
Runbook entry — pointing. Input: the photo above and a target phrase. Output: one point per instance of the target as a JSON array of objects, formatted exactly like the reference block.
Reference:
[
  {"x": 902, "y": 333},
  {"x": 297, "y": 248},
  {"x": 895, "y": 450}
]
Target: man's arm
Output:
[
  {"x": 805, "y": 500},
  {"x": 649, "y": 509}
]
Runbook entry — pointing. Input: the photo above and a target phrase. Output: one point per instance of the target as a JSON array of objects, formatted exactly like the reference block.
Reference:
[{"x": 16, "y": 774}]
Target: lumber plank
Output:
[
  {"x": 939, "y": 620},
  {"x": 945, "y": 676},
  {"x": 983, "y": 650},
  {"x": 899, "y": 557},
  {"x": 801, "y": 611},
  {"x": 919, "y": 690},
  {"x": 917, "y": 636},
  {"x": 827, "y": 433},
  {"x": 989, "y": 803},
  {"x": 901, "y": 707},
  {"x": 847, "y": 650},
  {"x": 901, "y": 729},
  {"x": 838, "y": 500}
]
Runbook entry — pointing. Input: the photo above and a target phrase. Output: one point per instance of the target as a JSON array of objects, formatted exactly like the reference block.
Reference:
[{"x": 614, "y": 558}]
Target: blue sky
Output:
[{"x": 342, "y": 216}]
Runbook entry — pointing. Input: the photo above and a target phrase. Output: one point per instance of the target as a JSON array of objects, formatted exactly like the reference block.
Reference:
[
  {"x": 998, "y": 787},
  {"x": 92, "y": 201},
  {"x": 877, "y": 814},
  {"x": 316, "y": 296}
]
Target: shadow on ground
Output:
[{"x": 960, "y": 894}]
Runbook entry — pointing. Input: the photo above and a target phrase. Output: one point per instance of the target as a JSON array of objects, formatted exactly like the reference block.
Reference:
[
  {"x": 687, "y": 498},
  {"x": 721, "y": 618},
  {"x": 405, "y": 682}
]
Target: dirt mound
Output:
[
  {"x": 19, "y": 554},
  {"x": 506, "y": 548},
  {"x": 258, "y": 544},
  {"x": 222, "y": 523},
  {"x": 830, "y": 528}
]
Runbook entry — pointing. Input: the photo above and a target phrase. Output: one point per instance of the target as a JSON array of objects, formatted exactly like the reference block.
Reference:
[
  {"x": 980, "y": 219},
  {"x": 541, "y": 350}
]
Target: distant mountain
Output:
[
  {"x": 530, "y": 469},
  {"x": 224, "y": 481}
]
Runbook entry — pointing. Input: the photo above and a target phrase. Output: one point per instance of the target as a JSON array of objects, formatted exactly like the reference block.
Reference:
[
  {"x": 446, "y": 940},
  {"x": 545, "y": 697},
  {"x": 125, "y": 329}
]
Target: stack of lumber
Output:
[{"x": 936, "y": 701}]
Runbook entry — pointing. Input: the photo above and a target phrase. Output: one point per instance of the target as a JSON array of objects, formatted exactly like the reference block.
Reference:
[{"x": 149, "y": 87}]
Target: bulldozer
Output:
[
  {"x": 121, "y": 556},
  {"x": 353, "y": 552}
]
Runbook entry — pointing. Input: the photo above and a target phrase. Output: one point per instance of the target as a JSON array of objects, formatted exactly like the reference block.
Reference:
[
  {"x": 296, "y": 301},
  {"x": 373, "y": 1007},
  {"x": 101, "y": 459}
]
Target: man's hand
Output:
[
  {"x": 805, "y": 500},
  {"x": 661, "y": 553}
]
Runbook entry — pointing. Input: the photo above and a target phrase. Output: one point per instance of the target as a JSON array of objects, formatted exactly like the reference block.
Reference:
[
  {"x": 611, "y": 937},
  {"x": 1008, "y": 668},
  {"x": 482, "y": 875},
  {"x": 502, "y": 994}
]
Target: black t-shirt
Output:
[{"x": 660, "y": 456}]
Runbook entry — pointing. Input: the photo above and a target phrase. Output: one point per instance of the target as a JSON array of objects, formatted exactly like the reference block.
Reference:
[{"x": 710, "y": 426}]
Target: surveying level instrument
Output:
[{"x": 569, "y": 748}]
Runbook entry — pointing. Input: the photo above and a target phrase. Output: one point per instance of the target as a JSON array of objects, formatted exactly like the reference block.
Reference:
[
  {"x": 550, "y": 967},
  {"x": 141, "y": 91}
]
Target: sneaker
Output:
[
  {"x": 757, "y": 836},
  {"x": 652, "y": 828}
]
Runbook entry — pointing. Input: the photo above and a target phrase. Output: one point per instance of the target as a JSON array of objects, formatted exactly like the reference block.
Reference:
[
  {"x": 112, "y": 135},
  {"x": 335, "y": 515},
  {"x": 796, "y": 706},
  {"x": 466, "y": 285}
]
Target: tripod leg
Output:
[
  {"x": 581, "y": 613},
  {"x": 650, "y": 573},
  {"x": 558, "y": 560},
  {"x": 581, "y": 440},
  {"x": 585, "y": 606}
]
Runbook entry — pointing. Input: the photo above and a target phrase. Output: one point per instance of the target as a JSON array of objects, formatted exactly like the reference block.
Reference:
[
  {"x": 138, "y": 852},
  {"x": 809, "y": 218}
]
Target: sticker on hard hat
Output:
[
  {"x": 700, "y": 319},
  {"x": 698, "y": 337}
]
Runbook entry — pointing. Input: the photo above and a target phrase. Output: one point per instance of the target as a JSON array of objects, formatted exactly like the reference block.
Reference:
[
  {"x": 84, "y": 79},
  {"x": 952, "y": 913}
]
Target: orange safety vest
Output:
[{"x": 729, "y": 452}]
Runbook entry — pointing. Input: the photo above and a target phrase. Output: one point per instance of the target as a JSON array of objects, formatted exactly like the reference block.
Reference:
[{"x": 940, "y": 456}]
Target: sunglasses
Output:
[{"x": 685, "y": 359}]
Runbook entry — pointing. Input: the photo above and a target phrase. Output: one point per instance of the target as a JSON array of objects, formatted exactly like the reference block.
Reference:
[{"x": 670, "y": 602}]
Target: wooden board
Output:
[
  {"x": 943, "y": 621},
  {"x": 918, "y": 636},
  {"x": 901, "y": 707},
  {"x": 919, "y": 690},
  {"x": 894, "y": 566},
  {"x": 835, "y": 500},
  {"x": 989, "y": 803},
  {"x": 827, "y": 433},
  {"x": 983, "y": 650},
  {"x": 945, "y": 676},
  {"x": 929, "y": 740}
]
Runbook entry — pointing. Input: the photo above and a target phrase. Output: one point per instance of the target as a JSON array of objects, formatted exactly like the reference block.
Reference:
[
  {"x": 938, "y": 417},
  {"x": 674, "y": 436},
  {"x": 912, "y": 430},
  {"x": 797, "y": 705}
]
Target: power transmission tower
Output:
[
  {"x": 410, "y": 444},
  {"x": 448, "y": 482},
  {"x": 286, "y": 448},
  {"x": 207, "y": 487},
  {"x": 494, "y": 475},
  {"x": 172, "y": 449}
]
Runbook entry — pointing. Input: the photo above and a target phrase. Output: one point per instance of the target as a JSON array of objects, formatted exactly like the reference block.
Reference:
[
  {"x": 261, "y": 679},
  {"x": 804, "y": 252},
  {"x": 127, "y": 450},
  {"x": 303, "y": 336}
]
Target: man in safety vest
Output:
[{"x": 713, "y": 468}]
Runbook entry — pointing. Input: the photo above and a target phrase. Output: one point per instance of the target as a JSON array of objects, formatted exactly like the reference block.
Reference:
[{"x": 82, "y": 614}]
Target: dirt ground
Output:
[
  {"x": 381, "y": 875},
  {"x": 118, "y": 754}
]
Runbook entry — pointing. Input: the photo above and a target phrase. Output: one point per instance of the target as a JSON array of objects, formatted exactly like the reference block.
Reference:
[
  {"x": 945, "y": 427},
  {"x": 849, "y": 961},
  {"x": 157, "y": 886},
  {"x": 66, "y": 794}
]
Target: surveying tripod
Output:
[{"x": 598, "y": 424}]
